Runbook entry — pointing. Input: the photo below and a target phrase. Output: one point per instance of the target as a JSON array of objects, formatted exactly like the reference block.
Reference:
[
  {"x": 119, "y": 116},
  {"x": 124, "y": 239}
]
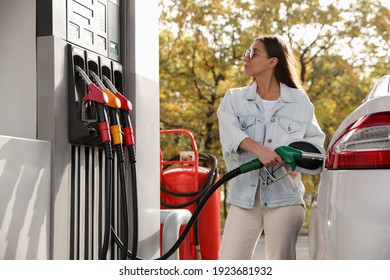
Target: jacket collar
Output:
[{"x": 286, "y": 93}]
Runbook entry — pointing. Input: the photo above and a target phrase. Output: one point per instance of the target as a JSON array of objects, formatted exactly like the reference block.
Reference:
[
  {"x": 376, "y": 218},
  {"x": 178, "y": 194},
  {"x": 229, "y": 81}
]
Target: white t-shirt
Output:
[{"x": 268, "y": 105}]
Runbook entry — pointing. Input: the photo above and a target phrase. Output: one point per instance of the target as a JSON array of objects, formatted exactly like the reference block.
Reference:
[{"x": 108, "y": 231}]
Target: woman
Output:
[{"x": 253, "y": 121}]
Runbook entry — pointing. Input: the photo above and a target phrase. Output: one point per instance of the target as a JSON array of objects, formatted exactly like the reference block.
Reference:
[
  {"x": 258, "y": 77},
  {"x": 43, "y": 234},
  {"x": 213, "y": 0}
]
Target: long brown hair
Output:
[{"x": 286, "y": 71}]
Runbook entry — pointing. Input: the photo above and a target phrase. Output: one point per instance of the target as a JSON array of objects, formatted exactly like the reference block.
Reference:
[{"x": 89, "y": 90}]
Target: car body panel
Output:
[{"x": 350, "y": 218}]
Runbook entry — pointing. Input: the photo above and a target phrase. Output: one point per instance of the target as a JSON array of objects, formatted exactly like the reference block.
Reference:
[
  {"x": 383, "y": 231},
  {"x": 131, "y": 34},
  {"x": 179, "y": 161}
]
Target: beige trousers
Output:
[{"x": 243, "y": 228}]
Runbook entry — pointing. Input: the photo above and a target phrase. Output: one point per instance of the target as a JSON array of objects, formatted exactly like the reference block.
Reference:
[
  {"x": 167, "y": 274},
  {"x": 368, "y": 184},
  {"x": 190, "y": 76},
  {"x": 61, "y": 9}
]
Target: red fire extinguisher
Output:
[{"x": 183, "y": 182}]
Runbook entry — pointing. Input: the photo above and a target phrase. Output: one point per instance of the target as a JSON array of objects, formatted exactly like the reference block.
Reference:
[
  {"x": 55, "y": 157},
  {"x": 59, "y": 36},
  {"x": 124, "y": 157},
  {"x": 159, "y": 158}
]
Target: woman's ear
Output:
[{"x": 273, "y": 61}]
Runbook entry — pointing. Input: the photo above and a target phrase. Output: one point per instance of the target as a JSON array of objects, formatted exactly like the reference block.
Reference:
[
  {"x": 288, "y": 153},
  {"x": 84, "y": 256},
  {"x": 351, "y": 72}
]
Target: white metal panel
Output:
[
  {"x": 147, "y": 47},
  {"x": 141, "y": 65},
  {"x": 52, "y": 84},
  {"x": 17, "y": 69},
  {"x": 25, "y": 199}
]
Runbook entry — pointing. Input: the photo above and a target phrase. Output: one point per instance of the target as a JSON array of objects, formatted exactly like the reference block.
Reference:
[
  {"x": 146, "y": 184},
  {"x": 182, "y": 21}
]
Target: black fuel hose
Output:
[
  {"x": 108, "y": 194},
  {"x": 123, "y": 196},
  {"x": 287, "y": 153},
  {"x": 123, "y": 244},
  {"x": 117, "y": 141},
  {"x": 117, "y": 240},
  {"x": 134, "y": 195},
  {"x": 126, "y": 126},
  {"x": 102, "y": 118},
  {"x": 244, "y": 168},
  {"x": 228, "y": 176},
  {"x": 208, "y": 161},
  {"x": 101, "y": 98}
]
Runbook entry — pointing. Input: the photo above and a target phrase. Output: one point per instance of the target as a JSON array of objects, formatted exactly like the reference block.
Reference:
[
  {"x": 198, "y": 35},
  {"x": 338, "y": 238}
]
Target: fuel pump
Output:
[{"x": 114, "y": 108}]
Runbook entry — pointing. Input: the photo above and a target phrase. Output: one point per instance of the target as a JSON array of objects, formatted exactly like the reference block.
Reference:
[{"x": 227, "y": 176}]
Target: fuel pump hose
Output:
[
  {"x": 244, "y": 168},
  {"x": 211, "y": 163},
  {"x": 128, "y": 137},
  {"x": 288, "y": 154}
]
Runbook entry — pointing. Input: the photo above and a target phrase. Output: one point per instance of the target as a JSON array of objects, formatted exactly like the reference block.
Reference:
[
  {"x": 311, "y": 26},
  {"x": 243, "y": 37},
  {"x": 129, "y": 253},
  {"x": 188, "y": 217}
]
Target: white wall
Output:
[
  {"x": 25, "y": 199},
  {"x": 17, "y": 68},
  {"x": 141, "y": 63}
]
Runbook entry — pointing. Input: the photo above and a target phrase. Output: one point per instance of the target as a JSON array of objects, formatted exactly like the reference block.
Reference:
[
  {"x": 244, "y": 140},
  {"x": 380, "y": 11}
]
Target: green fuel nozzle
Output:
[
  {"x": 288, "y": 154},
  {"x": 250, "y": 166}
]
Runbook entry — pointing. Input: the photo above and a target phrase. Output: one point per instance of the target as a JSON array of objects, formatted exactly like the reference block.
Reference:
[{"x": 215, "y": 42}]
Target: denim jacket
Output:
[{"x": 240, "y": 115}]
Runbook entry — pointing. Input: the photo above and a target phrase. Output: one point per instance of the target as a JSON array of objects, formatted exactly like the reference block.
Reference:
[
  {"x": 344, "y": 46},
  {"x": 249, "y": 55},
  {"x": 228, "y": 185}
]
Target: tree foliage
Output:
[{"x": 342, "y": 47}]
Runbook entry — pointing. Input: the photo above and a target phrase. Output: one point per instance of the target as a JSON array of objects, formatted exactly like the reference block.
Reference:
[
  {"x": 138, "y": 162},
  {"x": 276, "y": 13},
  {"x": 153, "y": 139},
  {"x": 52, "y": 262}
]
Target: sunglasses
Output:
[{"x": 250, "y": 53}]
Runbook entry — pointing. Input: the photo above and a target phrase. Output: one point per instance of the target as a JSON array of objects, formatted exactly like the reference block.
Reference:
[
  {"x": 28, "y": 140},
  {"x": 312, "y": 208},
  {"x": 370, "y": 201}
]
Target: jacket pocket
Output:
[
  {"x": 246, "y": 121},
  {"x": 290, "y": 126}
]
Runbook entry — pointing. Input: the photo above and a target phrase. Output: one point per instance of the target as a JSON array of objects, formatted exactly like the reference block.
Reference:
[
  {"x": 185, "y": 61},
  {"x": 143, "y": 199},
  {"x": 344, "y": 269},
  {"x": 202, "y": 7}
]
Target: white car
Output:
[{"x": 350, "y": 219}]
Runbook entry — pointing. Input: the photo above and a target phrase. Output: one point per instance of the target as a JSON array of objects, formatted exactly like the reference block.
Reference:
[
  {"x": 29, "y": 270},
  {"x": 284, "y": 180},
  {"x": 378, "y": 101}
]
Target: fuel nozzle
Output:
[
  {"x": 126, "y": 104},
  {"x": 113, "y": 101},
  {"x": 114, "y": 104},
  {"x": 288, "y": 154},
  {"x": 97, "y": 95},
  {"x": 302, "y": 161},
  {"x": 94, "y": 93},
  {"x": 125, "y": 113}
]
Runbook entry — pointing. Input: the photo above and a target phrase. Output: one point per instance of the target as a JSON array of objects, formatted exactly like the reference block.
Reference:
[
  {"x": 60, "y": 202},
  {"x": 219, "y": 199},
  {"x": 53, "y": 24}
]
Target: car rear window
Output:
[{"x": 381, "y": 88}]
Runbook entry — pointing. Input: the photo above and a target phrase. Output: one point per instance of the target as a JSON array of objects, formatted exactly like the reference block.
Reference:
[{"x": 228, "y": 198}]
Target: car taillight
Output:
[{"x": 364, "y": 145}]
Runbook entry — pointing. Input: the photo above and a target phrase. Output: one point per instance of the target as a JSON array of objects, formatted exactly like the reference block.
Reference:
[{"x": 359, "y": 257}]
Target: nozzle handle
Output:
[
  {"x": 98, "y": 82},
  {"x": 288, "y": 154},
  {"x": 83, "y": 75},
  {"x": 109, "y": 84},
  {"x": 125, "y": 103},
  {"x": 251, "y": 165}
]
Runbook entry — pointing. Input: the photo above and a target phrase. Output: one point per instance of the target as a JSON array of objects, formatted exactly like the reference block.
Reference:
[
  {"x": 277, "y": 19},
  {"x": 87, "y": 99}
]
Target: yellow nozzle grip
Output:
[
  {"x": 116, "y": 133},
  {"x": 113, "y": 101}
]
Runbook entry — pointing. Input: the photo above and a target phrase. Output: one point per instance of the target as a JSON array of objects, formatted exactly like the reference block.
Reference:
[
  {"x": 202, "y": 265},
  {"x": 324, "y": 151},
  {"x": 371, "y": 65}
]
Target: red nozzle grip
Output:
[
  {"x": 104, "y": 128},
  {"x": 128, "y": 134},
  {"x": 96, "y": 94},
  {"x": 125, "y": 103}
]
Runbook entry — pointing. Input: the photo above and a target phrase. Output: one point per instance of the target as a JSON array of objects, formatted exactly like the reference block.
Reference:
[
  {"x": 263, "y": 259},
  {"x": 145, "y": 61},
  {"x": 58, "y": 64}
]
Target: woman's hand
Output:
[
  {"x": 293, "y": 174},
  {"x": 266, "y": 155}
]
